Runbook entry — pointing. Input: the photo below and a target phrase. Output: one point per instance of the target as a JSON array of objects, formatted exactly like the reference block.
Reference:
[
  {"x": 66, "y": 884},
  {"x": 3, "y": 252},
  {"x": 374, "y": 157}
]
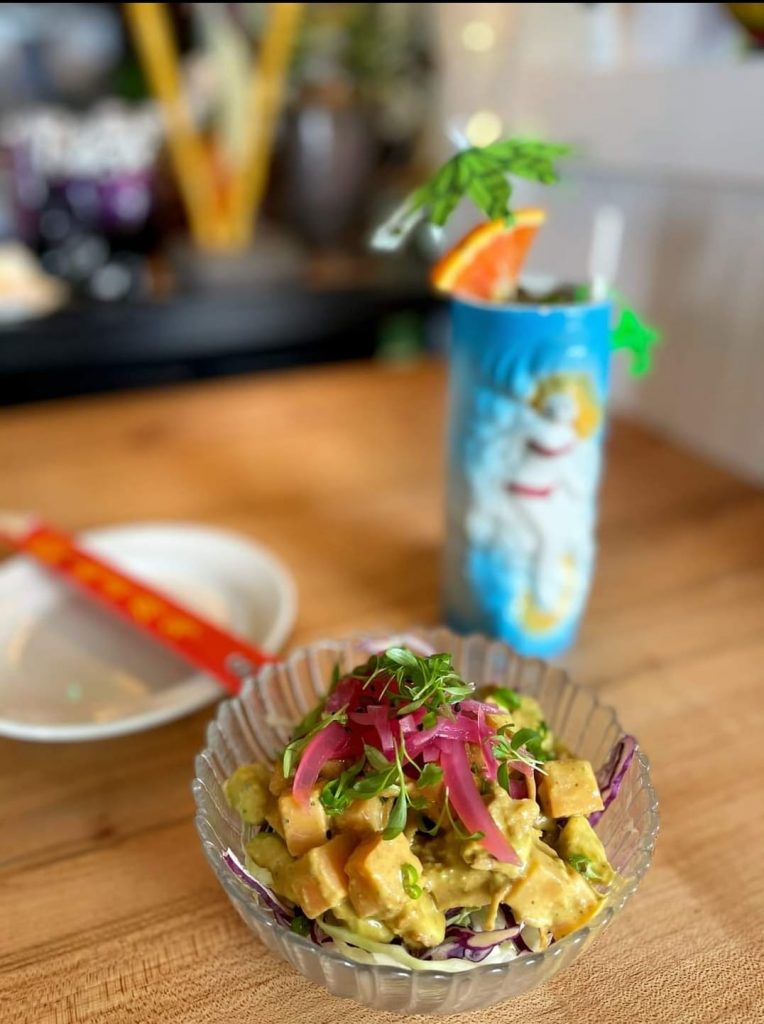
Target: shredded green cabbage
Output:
[{"x": 382, "y": 952}]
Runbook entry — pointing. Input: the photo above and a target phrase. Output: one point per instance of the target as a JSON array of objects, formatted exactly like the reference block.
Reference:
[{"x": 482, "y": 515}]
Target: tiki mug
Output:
[{"x": 527, "y": 391}]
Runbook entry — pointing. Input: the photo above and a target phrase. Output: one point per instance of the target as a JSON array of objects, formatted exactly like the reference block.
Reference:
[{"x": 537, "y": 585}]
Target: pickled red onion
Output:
[{"x": 468, "y": 804}]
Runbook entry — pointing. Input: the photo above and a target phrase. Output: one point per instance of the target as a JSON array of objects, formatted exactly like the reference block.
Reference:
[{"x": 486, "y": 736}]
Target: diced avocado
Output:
[
  {"x": 247, "y": 792},
  {"x": 569, "y": 787},
  {"x": 420, "y": 923},
  {"x": 552, "y": 895},
  {"x": 318, "y": 877},
  {"x": 362, "y": 817},
  {"x": 269, "y": 851},
  {"x": 527, "y": 715},
  {"x": 374, "y": 872},
  {"x": 305, "y": 826},
  {"x": 278, "y": 784},
  {"x": 579, "y": 840},
  {"x": 366, "y": 927}
]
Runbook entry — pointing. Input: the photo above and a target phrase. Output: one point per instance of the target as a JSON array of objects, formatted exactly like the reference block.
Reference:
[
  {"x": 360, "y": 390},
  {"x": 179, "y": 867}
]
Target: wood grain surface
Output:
[{"x": 108, "y": 912}]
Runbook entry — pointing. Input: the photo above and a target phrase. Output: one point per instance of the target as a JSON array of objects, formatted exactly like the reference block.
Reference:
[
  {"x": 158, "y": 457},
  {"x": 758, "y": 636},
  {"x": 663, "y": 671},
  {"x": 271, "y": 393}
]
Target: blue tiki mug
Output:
[{"x": 527, "y": 392}]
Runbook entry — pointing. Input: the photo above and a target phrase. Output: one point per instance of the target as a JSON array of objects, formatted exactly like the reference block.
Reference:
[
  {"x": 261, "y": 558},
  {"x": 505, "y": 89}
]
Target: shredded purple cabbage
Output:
[
  {"x": 283, "y": 914},
  {"x": 612, "y": 773},
  {"x": 465, "y": 944}
]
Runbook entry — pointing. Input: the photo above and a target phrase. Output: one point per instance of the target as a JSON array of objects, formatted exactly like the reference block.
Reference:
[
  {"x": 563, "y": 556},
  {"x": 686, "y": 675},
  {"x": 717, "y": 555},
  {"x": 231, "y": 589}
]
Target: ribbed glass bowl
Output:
[{"x": 254, "y": 726}]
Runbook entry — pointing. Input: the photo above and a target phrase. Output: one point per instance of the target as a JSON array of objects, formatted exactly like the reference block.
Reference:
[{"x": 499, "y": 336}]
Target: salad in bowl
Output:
[{"x": 422, "y": 822}]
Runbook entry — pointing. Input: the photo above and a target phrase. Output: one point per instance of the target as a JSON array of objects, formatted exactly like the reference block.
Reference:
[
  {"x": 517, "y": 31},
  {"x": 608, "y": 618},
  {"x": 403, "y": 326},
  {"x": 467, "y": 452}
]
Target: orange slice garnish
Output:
[{"x": 487, "y": 261}]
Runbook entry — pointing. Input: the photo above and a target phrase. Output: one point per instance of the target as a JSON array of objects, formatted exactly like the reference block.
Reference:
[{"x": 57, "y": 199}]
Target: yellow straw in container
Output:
[
  {"x": 265, "y": 95},
  {"x": 151, "y": 28}
]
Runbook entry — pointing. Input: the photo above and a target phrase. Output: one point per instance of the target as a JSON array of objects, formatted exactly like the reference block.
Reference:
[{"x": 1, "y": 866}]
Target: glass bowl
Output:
[{"x": 256, "y": 724}]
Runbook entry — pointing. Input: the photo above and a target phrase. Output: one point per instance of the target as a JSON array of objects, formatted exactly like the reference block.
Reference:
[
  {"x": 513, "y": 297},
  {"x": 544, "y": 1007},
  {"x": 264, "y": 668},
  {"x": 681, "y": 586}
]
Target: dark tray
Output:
[{"x": 103, "y": 348}]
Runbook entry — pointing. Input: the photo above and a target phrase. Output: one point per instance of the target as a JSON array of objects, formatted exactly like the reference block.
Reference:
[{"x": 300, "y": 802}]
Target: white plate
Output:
[{"x": 69, "y": 671}]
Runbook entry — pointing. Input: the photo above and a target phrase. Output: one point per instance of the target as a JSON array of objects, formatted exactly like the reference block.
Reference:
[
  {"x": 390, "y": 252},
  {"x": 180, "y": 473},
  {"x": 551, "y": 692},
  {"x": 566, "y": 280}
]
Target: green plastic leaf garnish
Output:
[
  {"x": 482, "y": 173},
  {"x": 637, "y": 338}
]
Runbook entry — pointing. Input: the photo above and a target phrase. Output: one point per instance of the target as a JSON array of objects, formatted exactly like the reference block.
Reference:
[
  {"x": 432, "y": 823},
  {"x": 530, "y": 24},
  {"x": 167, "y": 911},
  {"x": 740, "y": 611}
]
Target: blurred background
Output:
[{"x": 154, "y": 231}]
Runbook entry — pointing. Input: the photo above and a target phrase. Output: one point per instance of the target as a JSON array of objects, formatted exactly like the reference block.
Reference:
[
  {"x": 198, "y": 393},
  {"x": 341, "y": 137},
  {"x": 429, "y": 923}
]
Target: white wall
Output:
[{"x": 681, "y": 149}]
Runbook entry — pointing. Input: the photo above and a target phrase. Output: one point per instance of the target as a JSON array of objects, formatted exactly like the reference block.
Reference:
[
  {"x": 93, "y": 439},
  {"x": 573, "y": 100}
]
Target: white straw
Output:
[{"x": 605, "y": 252}]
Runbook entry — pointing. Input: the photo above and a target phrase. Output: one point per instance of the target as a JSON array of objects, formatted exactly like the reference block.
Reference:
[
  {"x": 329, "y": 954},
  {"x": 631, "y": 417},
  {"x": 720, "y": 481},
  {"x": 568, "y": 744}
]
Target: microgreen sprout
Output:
[
  {"x": 418, "y": 681},
  {"x": 304, "y": 733},
  {"x": 524, "y": 745}
]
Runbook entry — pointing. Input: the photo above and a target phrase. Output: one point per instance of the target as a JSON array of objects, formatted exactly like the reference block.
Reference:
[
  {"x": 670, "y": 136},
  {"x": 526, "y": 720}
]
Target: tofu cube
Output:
[
  {"x": 569, "y": 787},
  {"x": 552, "y": 895},
  {"x": 318, "y": 878},
  {"x": 420, "y": 923},
  {"x": 304, "y": 826},
  {"x": 362, "y": 817},
  {"x": 374, "y": 873}
]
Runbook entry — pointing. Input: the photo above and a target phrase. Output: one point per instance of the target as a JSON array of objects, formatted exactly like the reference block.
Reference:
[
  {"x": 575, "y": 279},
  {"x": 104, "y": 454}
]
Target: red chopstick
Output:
[{"x": 228, "y": 658}]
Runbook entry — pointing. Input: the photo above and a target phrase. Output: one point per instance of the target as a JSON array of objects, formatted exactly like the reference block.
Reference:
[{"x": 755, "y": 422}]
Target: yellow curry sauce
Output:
[{"x": 382, "y": 839}]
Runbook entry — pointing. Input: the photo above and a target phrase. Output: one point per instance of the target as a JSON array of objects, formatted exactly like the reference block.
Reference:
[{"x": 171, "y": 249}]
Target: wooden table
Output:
[{"x": 108, "y": 912}]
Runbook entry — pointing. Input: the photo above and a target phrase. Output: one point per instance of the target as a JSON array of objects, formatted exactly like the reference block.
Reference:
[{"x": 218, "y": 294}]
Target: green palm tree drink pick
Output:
[{"x": 528, "y": 386}]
